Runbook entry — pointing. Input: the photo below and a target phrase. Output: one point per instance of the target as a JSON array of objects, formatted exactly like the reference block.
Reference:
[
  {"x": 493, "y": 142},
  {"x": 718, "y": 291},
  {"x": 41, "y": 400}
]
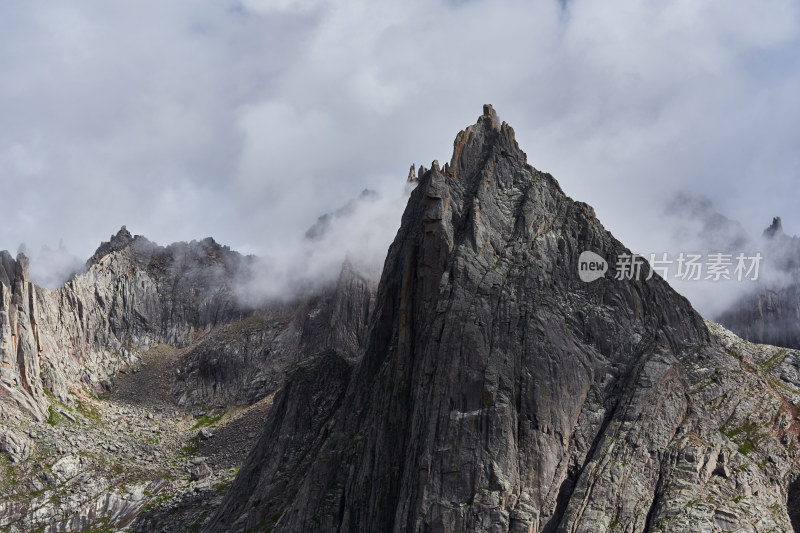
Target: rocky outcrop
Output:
[
  {"x": 20, "y": 349},
  {"x": 302, "y": 414},
  {"x": 17, "y": 446},
  {"x": 775, "y": 229},
  {"x": 338, "y": 316},
  {"x": 500, "y": 393},
  {"x": 135, "y": 294}
]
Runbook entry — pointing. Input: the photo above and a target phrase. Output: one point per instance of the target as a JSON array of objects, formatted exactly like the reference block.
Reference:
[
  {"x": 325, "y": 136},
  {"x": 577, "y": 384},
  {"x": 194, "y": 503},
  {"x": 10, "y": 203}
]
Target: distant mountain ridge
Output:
[
  {"x": 768, "y": 309},
  {"x": 770, "y": 314},
  {"x": 134, "y": 294}
]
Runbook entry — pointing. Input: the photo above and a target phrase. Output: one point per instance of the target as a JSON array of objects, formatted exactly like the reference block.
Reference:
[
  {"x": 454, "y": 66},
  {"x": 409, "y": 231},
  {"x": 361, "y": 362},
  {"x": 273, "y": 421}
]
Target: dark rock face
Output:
[
  {"x": 301, "y": 415},
  {"x": 338, "y": 317},
  {"x": 768, "y": 316},
  {"x": 775, "y": 229},
  {"x": 244, "y": 361},
  {"x": 498, "y": 392}
]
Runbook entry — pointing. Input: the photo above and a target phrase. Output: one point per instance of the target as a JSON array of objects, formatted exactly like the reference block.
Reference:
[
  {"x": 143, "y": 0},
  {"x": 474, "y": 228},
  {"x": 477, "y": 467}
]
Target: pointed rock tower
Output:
[{"x": 499, "y": 392}]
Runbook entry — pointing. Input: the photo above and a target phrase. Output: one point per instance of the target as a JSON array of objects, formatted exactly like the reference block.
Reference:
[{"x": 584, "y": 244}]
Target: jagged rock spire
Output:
[
  {"x": 486, "y": 364},
  {"x": 117, "y": 242},
  {"x": 776, "y": 228},
  {"x": 412, "y": 174}
]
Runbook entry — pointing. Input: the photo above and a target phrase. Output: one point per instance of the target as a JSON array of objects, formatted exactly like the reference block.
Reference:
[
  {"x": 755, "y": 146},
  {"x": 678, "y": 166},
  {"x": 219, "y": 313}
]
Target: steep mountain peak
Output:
[
  {"x": 121, "y": 240},
  {"x": 775, "y": 229},
  {"x": 7, "y": 267},
  {"x": 22, "y": 267},
  {"x": 487, "y": 138},
  {"x": 492, "y": 373},
  {"x": 489, "y": 112},
  {"x": 12, "y": 269},
  {"x": 412, "y": 174}
]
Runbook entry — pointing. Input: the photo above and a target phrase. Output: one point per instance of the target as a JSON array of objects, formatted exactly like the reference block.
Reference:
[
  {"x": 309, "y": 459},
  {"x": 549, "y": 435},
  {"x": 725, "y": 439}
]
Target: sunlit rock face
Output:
[
  {"x": 78, "y": 452},
  {"x": 134, "y": 294}
]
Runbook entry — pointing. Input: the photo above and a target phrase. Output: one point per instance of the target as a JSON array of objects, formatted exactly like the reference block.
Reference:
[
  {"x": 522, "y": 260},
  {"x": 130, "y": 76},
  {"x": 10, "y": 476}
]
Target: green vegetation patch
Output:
[
  {"x": 157, "y": 501},
  {"x": 191, "y": 449},
  {"x": 776, "y": 359},
  {"x": 89, "y": 411},
  {"x": 746, "y": 436},
  {"x": 206, "y": 420},
  {"x": 54, "y": 417}
]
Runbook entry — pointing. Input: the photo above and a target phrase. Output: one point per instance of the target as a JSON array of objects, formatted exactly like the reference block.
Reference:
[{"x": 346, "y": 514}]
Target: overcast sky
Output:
[{"x": 245, "y": 120}]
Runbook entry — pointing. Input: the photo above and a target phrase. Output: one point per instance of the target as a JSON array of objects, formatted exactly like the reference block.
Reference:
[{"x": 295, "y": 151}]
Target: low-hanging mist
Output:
[
  {"x": 692, "y": 224},
  {"x": 358, "y": 233}
]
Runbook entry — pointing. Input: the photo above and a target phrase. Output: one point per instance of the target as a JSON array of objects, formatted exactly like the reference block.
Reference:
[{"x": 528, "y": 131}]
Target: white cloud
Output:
[
  {"x": 273, "y": 6},
  {"x": 246, "y": 120}
]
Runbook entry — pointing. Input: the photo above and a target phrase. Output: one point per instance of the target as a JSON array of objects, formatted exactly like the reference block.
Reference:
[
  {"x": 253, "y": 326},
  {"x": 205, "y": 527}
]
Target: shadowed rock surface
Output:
[
  {"x": 499, "y": 393},
  {"x": 244, "y": 361}
]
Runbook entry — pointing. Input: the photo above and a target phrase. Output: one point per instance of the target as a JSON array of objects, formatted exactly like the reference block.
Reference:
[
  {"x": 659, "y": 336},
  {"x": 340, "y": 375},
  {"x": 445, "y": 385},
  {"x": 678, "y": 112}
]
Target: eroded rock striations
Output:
[
  {"x": 20, "y": 382},
  {"x": 244, "y": 361},
  {"x": 133, "y": 295},
  {"x": 499, "y": 393}
]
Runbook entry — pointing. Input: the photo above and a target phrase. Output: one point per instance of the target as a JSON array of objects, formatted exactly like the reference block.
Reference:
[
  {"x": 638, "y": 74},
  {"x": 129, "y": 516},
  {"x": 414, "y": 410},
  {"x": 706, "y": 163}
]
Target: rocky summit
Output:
[
  {"x": 498, "y": 392},
  {"x": 480, "y": 386}
]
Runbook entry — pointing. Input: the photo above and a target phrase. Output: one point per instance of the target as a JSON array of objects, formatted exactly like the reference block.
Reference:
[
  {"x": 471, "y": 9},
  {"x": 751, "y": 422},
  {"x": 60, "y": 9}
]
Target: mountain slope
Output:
[
  {"x": 498, "y": 392},
  {"x": 105, "y": 381},
  {"x": 133, "y": 295}
]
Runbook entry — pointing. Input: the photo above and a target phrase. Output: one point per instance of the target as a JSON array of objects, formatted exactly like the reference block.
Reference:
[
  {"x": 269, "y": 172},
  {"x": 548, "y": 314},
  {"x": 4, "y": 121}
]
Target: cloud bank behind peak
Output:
[{"x": 246, "y": 120}]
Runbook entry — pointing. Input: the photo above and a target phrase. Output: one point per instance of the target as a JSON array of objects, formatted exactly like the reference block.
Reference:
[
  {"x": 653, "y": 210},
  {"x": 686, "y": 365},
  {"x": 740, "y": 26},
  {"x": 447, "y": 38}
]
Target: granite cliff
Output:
[{"x": 500, "y": 393}]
